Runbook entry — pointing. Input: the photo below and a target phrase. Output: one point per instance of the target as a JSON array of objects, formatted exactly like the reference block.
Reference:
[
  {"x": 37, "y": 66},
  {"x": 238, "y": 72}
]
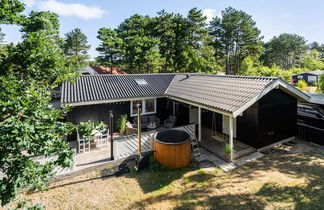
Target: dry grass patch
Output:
[{"x": 287, "y": 177}]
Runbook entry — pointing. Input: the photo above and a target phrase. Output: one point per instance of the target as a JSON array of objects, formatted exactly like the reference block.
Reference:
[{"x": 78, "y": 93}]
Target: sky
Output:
[{"x": 273, "y": 17}]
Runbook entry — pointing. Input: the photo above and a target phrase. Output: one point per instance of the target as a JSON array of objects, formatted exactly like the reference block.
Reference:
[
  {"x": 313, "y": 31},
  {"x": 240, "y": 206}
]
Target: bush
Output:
[
  {"x": 227, "y": 149},
  {"x": 302, "y": 85},
  {"x": 121, "y": 123},
  {"x": 321, "y": 83}
]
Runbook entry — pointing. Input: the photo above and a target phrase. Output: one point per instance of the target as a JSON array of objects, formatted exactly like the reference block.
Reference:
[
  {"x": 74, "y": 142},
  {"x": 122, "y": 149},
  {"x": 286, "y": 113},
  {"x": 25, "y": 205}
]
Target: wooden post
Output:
[
  {"x": 199, "y": 124},
  {"x": 111, "y": 121},
  {"x": 139, "y": 129},
  {"x": 173, "y": 108},
  {"x": 230, "y": 128}
]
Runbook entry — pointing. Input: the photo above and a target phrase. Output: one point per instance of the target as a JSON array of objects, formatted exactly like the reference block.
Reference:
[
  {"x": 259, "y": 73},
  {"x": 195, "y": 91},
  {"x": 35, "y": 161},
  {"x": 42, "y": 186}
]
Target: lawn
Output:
[{"x": 289, "y": 177}]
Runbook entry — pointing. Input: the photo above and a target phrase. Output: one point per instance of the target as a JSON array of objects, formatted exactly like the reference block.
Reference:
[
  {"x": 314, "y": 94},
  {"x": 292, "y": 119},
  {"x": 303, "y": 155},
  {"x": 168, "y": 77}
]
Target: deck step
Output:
[{"x": 195, "y": 148}]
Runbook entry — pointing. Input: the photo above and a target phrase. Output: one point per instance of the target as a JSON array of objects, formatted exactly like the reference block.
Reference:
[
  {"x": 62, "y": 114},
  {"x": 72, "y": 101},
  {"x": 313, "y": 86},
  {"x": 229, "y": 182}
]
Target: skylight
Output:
[{"x": 141, "y": 81}]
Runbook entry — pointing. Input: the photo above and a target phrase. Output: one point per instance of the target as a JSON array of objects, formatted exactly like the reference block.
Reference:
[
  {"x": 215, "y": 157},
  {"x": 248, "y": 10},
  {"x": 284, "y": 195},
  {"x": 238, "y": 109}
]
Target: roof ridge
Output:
[
  {"x": 236, "y": 76},
  {"x": 190, "y": 74}
]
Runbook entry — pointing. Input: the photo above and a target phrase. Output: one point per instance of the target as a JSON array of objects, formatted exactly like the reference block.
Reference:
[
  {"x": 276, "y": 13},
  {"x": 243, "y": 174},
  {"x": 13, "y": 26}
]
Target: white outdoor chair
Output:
[
  {"x": 83, "y": 146},
  {"x": 103, "y": 140}
]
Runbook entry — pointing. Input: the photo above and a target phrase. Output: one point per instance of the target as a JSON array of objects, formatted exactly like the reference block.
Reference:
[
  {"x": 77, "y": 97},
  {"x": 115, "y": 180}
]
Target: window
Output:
[
  {"x": 300, "y": 77},
  {"x": 141, "y": 82},
  {"x": 148, "y": 106},
  {"x": 311, "y": 79}
]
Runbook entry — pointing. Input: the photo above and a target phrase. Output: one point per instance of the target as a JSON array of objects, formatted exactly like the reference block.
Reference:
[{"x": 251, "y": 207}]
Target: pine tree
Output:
[
  {"x": 111, "y": 47},
  {"x": 76, "y": 47},
  {"x": 234, "y": 37},
  {"x": 285, "y": 50}
]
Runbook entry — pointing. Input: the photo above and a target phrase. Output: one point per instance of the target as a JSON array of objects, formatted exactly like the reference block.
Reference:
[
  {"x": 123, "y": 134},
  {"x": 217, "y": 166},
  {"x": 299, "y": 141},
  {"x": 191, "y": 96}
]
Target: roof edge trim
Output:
[{"x": 82, "y": 103}]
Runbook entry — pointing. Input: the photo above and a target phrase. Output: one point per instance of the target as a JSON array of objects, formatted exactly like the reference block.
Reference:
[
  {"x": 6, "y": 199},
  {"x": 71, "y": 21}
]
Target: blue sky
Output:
[{"x": 273, "y": 17}]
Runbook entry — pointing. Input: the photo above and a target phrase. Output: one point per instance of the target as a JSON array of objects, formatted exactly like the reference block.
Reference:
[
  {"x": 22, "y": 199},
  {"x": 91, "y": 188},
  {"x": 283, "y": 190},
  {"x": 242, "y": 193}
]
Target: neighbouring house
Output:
[
  {"x": 95, "y": 70},
  {"x": 246, "y": 112},
  {"x": 310, "y": 119},
  {"x": 310, "y": 77}
]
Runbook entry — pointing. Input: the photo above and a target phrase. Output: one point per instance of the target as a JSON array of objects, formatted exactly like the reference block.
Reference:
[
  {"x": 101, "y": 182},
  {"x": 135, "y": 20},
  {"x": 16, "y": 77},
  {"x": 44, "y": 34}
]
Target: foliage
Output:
[
  {"x": 121, "y": 123},
  {"x": 250, "y": 67},
  {"x": 41, "y": 21},
  {"x": 29, "y": 126},
  {"x": 111, "y": 47},
  {"x": 234, "y": 37},
  {"x": 171, "y": 42},
  {"x": 312, "y": 61},
  {"x": 76, "y": 47},
  {"x": 227, "y": 149},
  {"x": 141, "y": 54},
  {"x": 302, "y": 85},
  {"x": 85, "y": 129},
  {"x": 166, "y": 43},
  {"x": 28, "y": 205},
  {"x": 321, "y": 83},
  {"x": 2, "y": 46},
  {"x": 284, "y": 51},
  {"x": 37, "y": 58},
  {"x": 316, "y": 46},
  {"x": 2, "y": 35},
  {"x": 10, "y": 11}
]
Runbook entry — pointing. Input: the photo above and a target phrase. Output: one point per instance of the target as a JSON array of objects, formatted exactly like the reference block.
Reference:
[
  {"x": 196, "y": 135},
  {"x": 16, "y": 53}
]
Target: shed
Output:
[{"x": 310, "y": 77}]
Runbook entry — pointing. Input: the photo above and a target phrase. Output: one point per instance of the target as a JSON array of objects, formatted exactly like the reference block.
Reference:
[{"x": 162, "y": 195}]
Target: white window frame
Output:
[
  {"x": 313, "y": 77},
  {"x": 143, "y": 107}
]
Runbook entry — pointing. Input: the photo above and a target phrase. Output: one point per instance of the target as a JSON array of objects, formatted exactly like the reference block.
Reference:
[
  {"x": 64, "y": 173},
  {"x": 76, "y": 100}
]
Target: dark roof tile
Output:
[{"x": 110, "y": 87}]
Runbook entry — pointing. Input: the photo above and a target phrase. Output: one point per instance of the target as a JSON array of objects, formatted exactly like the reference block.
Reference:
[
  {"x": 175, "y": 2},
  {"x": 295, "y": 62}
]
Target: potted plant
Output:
[
  {"x": 121, "y": 123},
  {"x": 86, "y": 129},
  {"x": 228, "y": 151}
]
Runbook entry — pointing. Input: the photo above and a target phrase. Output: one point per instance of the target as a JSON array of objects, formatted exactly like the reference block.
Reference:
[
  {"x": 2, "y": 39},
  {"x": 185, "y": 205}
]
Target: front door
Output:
[{"x": 226, "y": 126}]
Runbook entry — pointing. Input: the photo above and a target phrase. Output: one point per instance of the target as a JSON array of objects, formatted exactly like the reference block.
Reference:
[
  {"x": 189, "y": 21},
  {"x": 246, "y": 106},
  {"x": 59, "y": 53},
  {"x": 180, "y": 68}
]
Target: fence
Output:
[
  {"x": 127, "y": 145},
  {"x": 310, "y": 133}
]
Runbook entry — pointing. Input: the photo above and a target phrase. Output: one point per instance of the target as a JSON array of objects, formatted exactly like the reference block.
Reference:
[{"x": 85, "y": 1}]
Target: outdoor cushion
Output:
[
  {"x": 145, "y": 119},
  {"x": 152, "y": 118},
  {"x": 129, "y": 125}
]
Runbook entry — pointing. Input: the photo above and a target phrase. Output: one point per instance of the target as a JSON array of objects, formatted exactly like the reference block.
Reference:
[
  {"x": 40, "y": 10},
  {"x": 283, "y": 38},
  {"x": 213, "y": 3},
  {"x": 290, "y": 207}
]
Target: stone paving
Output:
[{"x": 225, "y": 166}]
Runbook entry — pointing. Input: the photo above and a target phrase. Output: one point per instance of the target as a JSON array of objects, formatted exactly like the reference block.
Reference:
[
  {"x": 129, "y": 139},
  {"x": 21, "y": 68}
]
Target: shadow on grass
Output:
[
  {"x": 155, "y": 177},
  {"x": 307, "y": 166},
  {"x": 310, "y": 196},
  {"x": 203, "y": 197},
  {"x": 106, "y": 173}
]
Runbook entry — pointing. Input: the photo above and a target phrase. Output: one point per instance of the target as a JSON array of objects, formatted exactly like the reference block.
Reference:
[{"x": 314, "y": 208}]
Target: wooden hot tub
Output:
[{"x": 172, "y": 148}]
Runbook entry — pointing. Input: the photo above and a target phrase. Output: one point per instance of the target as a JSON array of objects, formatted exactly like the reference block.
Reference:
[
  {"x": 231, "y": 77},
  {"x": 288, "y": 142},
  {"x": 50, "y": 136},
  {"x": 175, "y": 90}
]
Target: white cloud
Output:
[
  {"x": 210, "y": 14},
  {"x": 30, "y": 3},
  {"x": 68, "y": 9}
]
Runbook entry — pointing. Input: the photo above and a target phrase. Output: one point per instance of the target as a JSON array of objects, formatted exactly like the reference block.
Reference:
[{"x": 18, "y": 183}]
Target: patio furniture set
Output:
[
  {"x": 102, "y": 139},
  {"x": 149, "y": 122}
]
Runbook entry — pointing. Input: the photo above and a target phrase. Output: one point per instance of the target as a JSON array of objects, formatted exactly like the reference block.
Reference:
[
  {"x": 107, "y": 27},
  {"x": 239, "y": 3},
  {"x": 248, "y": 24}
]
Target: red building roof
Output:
[{"x": 106, "y": 70}]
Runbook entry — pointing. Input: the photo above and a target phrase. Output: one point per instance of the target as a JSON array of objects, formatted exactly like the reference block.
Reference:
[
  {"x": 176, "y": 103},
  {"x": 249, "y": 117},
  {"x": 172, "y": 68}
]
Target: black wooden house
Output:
[{"x": 253, "y": 111}]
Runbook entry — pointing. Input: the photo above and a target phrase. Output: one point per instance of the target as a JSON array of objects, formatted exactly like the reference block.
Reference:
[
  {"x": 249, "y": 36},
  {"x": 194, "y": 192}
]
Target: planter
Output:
[{"x": 228, "y": 158}]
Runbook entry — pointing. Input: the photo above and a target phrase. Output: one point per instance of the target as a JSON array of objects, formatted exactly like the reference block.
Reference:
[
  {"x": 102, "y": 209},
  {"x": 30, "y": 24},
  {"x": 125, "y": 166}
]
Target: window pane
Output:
[
  {"x": 311, "y": 79},
  {"x": 149, "y": 105},
  {"x": 135, "y": 106}
]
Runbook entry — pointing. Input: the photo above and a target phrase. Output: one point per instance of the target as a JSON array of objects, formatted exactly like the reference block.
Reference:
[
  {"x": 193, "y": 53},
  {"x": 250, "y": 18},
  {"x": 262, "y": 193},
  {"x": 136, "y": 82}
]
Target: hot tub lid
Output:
[{"x": 172, "y": 137}]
